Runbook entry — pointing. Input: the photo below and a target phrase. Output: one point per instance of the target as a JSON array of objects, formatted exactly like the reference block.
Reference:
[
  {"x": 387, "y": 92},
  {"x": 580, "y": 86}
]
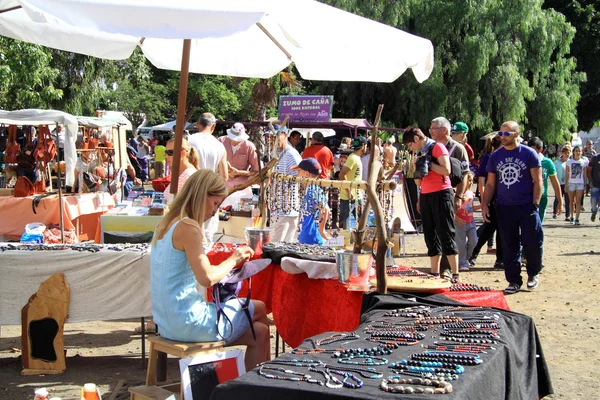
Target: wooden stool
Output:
[{"x": 177, "y": 349}]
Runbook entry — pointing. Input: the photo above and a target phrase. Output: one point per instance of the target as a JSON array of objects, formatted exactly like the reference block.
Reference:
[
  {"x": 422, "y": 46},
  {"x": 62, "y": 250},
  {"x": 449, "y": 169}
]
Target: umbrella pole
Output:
[
  {"x": 180, "y": 121},
  {"x": 60, "y": 202}
]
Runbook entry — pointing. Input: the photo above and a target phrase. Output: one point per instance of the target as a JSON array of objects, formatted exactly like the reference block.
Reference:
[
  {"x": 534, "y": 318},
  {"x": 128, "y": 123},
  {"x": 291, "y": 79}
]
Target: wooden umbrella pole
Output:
[
  {"x": 60, "y": 202},
  {"x": 180, "y": 121},
  {"x": 326, "y": 183}
]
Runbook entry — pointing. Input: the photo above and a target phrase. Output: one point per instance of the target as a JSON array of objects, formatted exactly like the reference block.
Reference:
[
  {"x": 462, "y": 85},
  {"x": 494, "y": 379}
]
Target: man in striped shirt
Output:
[{"x": 285, "y": 224}]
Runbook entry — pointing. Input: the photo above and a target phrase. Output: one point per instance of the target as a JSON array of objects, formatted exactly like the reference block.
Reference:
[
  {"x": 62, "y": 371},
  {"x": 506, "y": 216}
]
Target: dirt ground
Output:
[{"x": 565, "y": 308}]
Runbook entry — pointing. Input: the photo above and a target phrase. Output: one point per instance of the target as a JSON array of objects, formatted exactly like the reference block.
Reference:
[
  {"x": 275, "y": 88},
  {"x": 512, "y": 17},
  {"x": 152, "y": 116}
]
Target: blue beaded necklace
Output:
[{"x": 367, "y": 360}]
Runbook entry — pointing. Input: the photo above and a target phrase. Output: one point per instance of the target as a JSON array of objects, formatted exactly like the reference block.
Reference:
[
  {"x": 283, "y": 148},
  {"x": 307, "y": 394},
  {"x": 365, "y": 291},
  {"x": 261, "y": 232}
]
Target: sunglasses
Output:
[
  {"x": 505, "y": 134},
  {"x": 169, "y": 152}
]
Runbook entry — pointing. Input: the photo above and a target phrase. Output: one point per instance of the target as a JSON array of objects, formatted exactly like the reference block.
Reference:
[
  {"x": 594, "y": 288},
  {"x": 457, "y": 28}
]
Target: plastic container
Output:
[
  {"x": 41, "y": 394},
  {"x": 35, "y": 228},
  {"x": 256, "y": 237},
  {"x": 29, "y": 238},
  {"x": 90, "y": 392}
]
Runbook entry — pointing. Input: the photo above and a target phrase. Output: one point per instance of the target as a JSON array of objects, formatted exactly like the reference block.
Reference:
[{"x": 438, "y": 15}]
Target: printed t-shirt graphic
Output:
[{"x": 513, "y": 176}]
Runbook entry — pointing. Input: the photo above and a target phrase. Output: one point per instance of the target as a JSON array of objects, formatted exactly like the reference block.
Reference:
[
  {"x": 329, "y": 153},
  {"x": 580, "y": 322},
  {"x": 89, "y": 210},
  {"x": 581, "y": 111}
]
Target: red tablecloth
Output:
[{"x": 304, "y": 307}]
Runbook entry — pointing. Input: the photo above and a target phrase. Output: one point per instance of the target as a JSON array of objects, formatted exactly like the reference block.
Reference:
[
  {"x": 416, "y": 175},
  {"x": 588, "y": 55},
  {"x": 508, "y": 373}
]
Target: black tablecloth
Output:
[{"x": 515, "y": 370}]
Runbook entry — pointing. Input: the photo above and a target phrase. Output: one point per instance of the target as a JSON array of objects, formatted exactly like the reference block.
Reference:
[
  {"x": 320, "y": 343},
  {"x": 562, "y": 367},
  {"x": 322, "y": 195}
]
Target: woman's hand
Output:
[{"x": 242, "y": 254}]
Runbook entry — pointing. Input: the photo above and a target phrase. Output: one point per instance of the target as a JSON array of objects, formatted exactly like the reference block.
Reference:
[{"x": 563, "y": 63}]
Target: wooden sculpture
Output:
[{"x": 42, "y": 326}]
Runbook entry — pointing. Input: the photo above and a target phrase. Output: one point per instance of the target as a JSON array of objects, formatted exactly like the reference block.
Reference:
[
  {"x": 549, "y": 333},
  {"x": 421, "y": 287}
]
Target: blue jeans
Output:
[
  {"x": 594, "y": 199},
  {"x": 466, "y": 239},
  {"x": 518, "y": 225}
]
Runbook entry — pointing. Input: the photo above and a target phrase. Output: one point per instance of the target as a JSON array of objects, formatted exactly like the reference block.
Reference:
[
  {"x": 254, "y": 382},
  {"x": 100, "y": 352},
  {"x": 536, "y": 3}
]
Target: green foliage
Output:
[
  {"x": 584, "y": 15},
  {"x": 495, "y": 60},
  {"x": 27, "y": 78}
]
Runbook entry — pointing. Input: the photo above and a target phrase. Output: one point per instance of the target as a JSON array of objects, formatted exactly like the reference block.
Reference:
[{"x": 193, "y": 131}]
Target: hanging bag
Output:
[
  {"x": 12, "y": 149},
  {"x": 24, "y": 187}
]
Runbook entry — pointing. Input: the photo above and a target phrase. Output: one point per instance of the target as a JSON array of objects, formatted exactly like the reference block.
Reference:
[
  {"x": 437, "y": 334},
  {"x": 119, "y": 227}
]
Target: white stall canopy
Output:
[{"x": 49, "y": 117}]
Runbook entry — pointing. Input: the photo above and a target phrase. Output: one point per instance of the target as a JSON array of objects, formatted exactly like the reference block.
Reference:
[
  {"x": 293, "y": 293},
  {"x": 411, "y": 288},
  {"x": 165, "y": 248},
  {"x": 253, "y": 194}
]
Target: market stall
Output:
[
  {"x": 363, "y": 363},
  {"x": 105, "y": 283},
  {"x": 81, "y": 213}
]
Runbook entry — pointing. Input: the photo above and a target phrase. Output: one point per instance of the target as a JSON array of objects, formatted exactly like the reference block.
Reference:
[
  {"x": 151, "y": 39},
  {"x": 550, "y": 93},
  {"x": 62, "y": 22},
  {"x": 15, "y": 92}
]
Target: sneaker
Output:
[
  {"x": 512, "y": 288},
  {"x": 554, "y": 216},
  {"x": 582, "y": 209},
  {"x": 533, "y": 282},
  {"x": 491, "y": 250},
  {"x": 499, "y": 265},
  {"x": 455, "y": 278},
  {"x": 472, "y": 260},
  {"x": 567, "y": 219},
  {"x": 572, "y": 220},
  {"x": 577, "y": 222},
  {"x": 446, "y": 274},
  {"x": 463, "y": 268},
  {"x": 594, "y": 217}
]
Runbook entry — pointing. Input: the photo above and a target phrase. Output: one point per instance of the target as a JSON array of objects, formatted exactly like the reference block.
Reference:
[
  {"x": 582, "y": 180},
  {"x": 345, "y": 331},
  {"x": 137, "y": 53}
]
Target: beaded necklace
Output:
[
  {"x": 298, "y": 376},
  {"x": 330, "y": 380},
  {"x": 298, "y": 363},
  {"x": 369, "y": 372},
  {"x": 435, "y": 364},
  {"x": 336, "y": 337},
  {"x": 374, "y": 351},
  {"x": 348, "y": 376},
  {"x": 470, "y": 325},
  {"x": 457, "y": 348},
  {"x": 432, "y": 386},
  {"x": 400, "y": 367},
  {"x": 447, "y": 359},
  {"x": 440, "y": 376},
  {"x": 368, "y": 360},
  {"x": 318, "y": 350}
]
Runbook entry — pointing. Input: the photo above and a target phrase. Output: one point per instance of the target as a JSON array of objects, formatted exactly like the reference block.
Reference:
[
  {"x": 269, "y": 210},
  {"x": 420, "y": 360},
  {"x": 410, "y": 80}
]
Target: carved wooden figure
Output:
[{"x": 42, "y": 326}]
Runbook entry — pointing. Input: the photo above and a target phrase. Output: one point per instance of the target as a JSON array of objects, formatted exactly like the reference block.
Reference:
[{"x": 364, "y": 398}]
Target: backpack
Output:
[
  {"x": 595, "y": 175},
  {"x": 456, "y": 173}
]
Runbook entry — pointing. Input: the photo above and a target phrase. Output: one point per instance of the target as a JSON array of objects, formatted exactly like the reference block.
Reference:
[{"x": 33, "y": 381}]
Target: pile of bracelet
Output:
[{"x": 468, "y": 287}]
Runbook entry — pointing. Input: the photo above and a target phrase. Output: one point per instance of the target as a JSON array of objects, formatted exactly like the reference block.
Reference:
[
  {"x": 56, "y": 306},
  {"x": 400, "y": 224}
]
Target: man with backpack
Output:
[
  {"x": 435, "y": 203},
  {"x": 593, "y": 173},
  {"x": 440, "y": 131}
]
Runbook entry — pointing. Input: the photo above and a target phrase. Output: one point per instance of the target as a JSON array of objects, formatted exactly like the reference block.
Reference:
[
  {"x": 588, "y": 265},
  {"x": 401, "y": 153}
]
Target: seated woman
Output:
[
  {"x": 178, "y": 263},
  {"x": 188, "y": 163}
]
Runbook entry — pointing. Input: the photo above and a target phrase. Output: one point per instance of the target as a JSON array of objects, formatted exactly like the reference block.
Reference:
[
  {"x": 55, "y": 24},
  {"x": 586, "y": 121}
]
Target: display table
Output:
[
  {"x": 514, "y": 369},
  {"x": 303, "y": 307},
  {"x": 106, "y": 285},
  {"x": 81, "y": 212}
]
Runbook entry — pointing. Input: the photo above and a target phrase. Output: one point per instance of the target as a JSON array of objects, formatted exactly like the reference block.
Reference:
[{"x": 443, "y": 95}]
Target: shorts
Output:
[{"x": 572, "y": 187}]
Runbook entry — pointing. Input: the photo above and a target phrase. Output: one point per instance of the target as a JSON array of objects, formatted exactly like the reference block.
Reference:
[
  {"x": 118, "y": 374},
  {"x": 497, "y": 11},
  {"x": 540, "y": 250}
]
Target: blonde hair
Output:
[
  {"x": 192, "y": 153},
  {"x": 191, "y": 201}
]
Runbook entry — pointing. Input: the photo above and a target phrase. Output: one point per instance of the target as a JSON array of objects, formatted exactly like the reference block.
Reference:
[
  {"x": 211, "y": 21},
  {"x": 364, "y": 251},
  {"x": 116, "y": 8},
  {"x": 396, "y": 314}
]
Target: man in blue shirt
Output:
[{"x": 515, "y": 175}]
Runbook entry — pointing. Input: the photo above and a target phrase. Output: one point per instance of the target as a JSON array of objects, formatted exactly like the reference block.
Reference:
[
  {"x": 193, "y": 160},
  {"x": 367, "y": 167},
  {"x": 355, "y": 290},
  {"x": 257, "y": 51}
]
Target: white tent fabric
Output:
[
  {"x": 49, "y": 117},
  {"x": 305, "y": 131},
  {"x": 239, "y": 35},
  {"x": 167, "y": 126}
]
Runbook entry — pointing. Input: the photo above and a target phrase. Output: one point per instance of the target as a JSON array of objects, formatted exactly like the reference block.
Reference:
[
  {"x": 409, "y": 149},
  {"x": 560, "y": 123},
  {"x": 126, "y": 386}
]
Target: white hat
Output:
[{"x": 237, "y": 132}]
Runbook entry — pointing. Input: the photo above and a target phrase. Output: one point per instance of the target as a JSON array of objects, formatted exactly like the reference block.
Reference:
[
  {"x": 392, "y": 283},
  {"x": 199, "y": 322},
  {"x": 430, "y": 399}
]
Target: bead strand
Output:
[{"x": 432, "y": 386}]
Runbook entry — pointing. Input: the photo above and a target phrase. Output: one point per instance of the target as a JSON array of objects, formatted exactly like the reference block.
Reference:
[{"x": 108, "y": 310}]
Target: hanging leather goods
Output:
[{"x": 13, "y": 149}]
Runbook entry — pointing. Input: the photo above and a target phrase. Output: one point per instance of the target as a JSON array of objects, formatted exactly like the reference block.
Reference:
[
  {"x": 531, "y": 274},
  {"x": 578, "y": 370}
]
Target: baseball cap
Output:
[
  {"x": 310, "y": 165},
  {"x": 317, "y": 137},
  {"x": 358, "y": 142},
  {"x": 460, "y": 127}
]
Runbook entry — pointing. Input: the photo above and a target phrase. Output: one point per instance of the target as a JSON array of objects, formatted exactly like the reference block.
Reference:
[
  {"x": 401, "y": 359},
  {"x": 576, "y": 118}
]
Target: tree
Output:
[
  {"x": 494, "y": 61},
  {"x": 584, "y": 15},
  {"x": 27, "y": 78}
]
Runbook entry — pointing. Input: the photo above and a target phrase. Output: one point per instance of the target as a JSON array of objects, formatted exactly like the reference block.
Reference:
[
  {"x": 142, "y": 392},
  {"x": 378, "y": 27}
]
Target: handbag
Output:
[
  {"x": 24, "y": 187},
  {"x": 229, "y": 288},
  {"x": 13, "y": 149},
  {"x": 90, "y": 181}
]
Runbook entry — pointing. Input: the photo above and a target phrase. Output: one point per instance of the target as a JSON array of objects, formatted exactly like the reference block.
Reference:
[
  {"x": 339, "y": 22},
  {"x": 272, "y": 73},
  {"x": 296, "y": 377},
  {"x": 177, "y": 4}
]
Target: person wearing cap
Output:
[
  {"x": 211, "y": 152},
  {"x": 241, "y": 155},
  {"x": 459, "y": 134},
  {"x": 313, "y": 205},
  {"x": 285, "y": 224},
  {"x": 351, "y": 171},
  {"x": 212, "y": 156},
  {"x": 321, "y": 153}
]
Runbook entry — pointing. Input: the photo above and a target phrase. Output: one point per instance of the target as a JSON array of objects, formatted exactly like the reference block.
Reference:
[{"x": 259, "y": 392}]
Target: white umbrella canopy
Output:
[
  {"x": 249, "y": 38},
  {"x": 246, "y": 38}
]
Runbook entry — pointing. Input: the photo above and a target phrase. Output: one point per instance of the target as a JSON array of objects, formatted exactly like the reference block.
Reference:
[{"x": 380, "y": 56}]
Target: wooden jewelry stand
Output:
[{"x": 42, "y": 327}]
